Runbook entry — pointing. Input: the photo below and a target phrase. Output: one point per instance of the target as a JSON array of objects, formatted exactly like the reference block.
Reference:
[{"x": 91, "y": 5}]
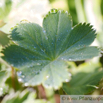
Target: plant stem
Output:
[
  {"x": 60, "y": 91},
  {"x": 50, "y": 95},
  {"x": 13, "y": 77}
]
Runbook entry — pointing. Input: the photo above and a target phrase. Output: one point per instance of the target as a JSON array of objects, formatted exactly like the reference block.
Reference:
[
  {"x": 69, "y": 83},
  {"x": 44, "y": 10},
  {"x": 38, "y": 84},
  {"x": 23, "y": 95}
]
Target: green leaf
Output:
[
  {"x": 2, "y": 74},
  {"x": 13, "y": 84},
  {"x": 17, "y": 97},
  {"x": 3, "y": 86},
  {"x": 25, "y": 96},
  {"x": 5, "y": 9},
  {"x": 84, "y": 80},
  {"x": 4, "y": 40},
  {"x": 40, "y": 53}
]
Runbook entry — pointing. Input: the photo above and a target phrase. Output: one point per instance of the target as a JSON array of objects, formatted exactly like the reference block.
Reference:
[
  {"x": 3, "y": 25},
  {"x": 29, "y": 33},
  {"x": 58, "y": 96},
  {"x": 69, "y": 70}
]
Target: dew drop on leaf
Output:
[
  {"x": 26, "y": 84},
  {"x": 37, "y": 73},
  {"x": 100, "y": 55},
  {"x": 38, "y": 64},
  {"x": 62, "y": 58},
  {"x": 47, "y": 86},
  {"x": 19, "y": 73},
  {"x": 67, "y": 80},
  {"x": 47, "y": 76},
  {"x": 53, "y": 11},
  {"x": 55, "y": 87},
  {"x": 66, "y": 12},
  {"x": 46, "y": 38},
  {"x": 23, "y": 76},
  {"x": 70, "y": 74},
  {"x": 28, "y": 66},
  {"x": 101, "y": 51},
  {"x": 1, "y": 89},
  {"x": 20, "y": 80},
  {"x": 12, "y": 65},
  {"x": 42, "y": 50},
  {"x": 44, "y": 31}
]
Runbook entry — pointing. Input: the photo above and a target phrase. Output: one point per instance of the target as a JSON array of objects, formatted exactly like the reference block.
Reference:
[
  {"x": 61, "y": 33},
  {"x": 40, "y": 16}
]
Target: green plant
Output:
[
  {"x": 5, "y": 9},
  {"x": 41, "y": 54}
]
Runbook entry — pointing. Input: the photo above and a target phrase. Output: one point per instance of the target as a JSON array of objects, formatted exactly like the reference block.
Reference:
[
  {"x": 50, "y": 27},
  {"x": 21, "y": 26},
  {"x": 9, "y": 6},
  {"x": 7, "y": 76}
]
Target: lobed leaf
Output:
[{"x": 40, "y": 53}]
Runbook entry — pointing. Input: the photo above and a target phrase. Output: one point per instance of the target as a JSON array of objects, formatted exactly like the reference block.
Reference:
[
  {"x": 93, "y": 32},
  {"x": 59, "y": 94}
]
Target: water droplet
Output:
[
  {"x": 67, "y": 80},
  {"x": 47, "y": 76},
  {"x": 70, "y": 74},
  {"x": 56, "y": 87},
  {"x": 101, "y": 51},
  {"x": 59, "y": 39},
  {"x": 44, "y": 31},
  {"x": 100, "y": 55},
  {"x": 59, "y": 11},
  {"x": 26, "y": 84},
  {"x": 53, "y": 11},
  {"x": 28, "y": 66},
  {"x": 62, "y": 58},
  {"x": 46, "y": 38},
  {"x": 1, "y": 89},
  {"x": 66, "y": 12},
  {"x": 34, "y": 47},
  {"x": 70, "y": 59},
  {"x": 20, "y": 80},
  {"x": 38, "y": 64},
  {"x": 42, "y": 50},
  {"x": 1, "y": 4},
  {"x": 47, "y": 85},
  {"x": 96, "y": 87},
  {"x": 23, "y": 76},
  {"x": 37, "y": 72},
  {"x": 19, "y": 73},
  {"x": 12, "y": 64}
]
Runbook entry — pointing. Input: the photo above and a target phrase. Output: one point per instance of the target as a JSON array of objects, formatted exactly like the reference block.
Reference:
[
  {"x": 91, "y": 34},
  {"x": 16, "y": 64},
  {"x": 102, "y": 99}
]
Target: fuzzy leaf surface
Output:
[{"x": 40, "y": 53}]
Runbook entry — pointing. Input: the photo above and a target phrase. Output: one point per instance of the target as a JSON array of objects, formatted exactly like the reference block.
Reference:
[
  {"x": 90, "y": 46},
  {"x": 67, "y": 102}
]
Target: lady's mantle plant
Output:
[{"x": 40, "y": 53}]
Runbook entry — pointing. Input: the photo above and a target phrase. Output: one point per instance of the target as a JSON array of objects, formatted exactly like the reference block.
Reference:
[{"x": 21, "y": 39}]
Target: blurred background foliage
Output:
[{"x": 14, "y": 11}]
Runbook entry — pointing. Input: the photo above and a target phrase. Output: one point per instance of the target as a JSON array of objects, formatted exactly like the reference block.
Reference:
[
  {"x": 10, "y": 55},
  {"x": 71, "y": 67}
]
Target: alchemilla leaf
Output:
[{"x": 40, "y": 53}]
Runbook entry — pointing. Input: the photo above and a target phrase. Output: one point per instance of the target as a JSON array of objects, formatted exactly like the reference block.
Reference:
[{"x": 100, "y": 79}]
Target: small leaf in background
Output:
[
  {"x": 5, "y": 8},
  {"x": 0, "y": 51},
  {"x": 13, "y": 83},
  {"x": 4, "y": 40},
  {"x": 25, "y": 96},
  {"x": 4, "y": 75},
  {"x": 2, "y": 23},
  {"x": 17, "y": 97},
  {"x": 3, "y": 86},
  {"x": 40, "y": 53},
  {"x": 84, "y": 80}
]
